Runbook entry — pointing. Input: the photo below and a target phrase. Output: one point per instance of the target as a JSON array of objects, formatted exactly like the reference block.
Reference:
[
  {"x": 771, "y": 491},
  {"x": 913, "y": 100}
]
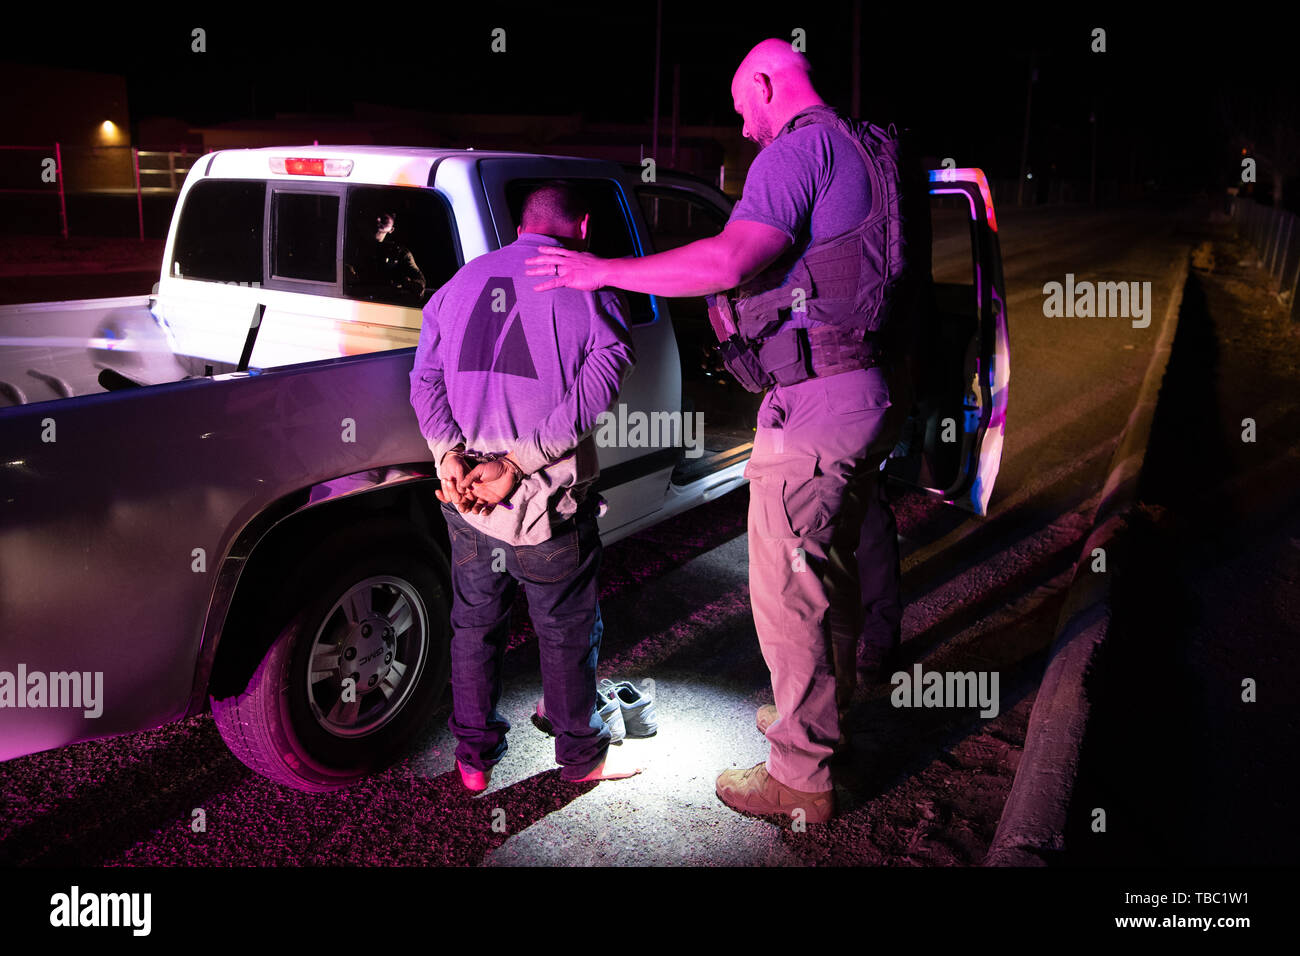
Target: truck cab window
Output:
[
  {"x": 676, "y": 217},
  {"x": 219, "y": 236},
  {"x": 609, "y": 234},
  {"x": 399, "y": 243}
]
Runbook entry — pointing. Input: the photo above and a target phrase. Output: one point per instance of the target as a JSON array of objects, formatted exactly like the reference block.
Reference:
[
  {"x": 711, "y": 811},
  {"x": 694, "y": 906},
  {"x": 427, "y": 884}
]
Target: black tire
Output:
[{"x": 296, "y": 731}]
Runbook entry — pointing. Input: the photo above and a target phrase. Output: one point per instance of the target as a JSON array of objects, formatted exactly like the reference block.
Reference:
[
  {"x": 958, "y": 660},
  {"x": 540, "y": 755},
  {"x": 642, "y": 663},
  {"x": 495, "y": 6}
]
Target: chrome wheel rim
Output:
[{"x": 376, "y": 634}]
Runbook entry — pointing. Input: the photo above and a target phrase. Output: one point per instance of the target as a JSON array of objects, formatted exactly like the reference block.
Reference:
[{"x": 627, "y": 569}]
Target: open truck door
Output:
[{"x": 951, "y": 445}]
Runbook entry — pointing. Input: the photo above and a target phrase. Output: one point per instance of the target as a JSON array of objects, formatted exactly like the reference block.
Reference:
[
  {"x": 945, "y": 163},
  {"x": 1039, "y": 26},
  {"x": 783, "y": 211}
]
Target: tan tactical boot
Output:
[{"x": 757, "y": 792}]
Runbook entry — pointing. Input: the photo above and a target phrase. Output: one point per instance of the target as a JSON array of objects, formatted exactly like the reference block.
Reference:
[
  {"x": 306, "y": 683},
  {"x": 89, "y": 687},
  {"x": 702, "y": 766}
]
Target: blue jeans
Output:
[{"x": 559, "y": 578}]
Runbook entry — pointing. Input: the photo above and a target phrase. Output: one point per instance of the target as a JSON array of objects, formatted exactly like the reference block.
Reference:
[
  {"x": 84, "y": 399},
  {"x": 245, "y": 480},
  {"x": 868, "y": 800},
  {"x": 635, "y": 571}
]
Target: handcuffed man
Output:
[{"x": 507, "y": 385}]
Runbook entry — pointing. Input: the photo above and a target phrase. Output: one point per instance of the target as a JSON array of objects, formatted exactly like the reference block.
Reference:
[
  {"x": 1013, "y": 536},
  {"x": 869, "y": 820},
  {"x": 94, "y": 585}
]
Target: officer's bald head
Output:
[
  {"x": 554, "y": 209},
  {"x": 772, "y": 83},
  {"x": 778, "y": 59}
]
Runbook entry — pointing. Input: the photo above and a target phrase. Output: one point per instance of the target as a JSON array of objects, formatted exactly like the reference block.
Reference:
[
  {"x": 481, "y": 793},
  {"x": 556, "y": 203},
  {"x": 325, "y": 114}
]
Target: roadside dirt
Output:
[{"x": 1196, "y": 735}]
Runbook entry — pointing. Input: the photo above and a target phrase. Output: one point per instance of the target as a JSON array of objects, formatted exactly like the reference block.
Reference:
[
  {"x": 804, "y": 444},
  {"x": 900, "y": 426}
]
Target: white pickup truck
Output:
[{"x": 217, "y": 496}]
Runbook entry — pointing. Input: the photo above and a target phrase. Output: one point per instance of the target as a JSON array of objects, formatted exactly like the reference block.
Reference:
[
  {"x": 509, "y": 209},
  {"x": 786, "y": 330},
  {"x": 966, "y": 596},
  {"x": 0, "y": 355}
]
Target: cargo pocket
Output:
[
  {"x": 811, "y": 504},
  {"x": 792, "y": 498},
  {"x": 551, "y": 560}
]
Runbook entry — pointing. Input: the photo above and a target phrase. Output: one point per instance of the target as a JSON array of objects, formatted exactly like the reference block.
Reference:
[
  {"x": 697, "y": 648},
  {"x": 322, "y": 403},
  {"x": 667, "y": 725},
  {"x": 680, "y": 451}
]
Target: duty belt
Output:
[{"x": 797, "y": 355}]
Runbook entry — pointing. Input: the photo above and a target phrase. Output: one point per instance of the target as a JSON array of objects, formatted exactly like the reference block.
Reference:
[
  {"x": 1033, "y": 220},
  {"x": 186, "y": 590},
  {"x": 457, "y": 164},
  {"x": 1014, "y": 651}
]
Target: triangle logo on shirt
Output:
[{"x": 494, "y": 336}]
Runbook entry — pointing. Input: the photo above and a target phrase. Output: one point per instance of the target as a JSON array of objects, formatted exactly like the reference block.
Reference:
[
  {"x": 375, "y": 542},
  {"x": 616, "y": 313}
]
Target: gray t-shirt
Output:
[{"x": 812, "y": 185}]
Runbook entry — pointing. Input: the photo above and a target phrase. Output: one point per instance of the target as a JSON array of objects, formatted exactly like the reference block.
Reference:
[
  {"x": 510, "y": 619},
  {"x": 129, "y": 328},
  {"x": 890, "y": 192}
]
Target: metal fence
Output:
[
  {"x": 95, "y": 171},
  {"x": 35, "y": 172},
  {"x": 156, "y": 164},
  {"x": 1274, "y": 233}
]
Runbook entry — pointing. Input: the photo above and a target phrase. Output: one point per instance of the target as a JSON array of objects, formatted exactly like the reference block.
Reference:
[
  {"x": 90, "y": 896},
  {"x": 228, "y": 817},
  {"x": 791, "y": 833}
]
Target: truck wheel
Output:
[{"x": 357, "y": 672}]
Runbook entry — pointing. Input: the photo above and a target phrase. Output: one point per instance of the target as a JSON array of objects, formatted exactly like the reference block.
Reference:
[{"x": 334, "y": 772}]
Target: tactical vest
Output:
[{"x": 850, "y": 282}]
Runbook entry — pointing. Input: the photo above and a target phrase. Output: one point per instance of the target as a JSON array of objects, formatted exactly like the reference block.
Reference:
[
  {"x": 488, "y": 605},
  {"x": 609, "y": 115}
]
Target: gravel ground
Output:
[{"x": 926, "y": 787}]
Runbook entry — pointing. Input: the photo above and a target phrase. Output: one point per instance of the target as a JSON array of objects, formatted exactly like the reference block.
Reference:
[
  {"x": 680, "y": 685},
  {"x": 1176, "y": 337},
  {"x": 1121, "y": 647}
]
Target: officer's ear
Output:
[
  {"x": 764, "y": 84},
  {"x": 519, "y": 230},
  {"x": 582, "y": 226}
]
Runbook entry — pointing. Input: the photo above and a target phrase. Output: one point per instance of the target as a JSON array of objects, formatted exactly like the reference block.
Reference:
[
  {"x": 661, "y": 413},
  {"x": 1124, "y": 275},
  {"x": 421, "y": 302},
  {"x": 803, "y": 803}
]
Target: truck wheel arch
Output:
[{"x": 271, "y": 546}]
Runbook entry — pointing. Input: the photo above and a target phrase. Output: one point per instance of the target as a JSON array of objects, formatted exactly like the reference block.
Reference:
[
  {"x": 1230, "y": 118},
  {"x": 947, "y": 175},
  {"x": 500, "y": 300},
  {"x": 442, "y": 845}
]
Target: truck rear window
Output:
[
  {"x": 219, "y": 237},
  {"x": 306, "y": 236}
]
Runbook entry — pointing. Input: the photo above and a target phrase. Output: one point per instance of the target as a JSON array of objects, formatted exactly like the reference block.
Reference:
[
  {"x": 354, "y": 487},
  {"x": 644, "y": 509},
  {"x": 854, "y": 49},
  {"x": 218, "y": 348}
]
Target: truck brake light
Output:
[{"x": 299, "y": 166}]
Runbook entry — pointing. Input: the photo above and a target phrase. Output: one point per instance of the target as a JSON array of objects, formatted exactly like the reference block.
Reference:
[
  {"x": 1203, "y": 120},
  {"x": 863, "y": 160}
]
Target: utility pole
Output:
[
  {"x": 1024, "y": 144},
  {"x": 654, "y": 122},
  {"x": 677, "y": 97},
  {"x": 1092, "y": 174}
]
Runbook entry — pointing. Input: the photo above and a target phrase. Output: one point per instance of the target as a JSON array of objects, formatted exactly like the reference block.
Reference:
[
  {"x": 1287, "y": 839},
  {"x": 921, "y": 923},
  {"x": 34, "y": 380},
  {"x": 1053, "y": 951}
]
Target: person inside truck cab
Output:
[{"x": 381, "y": 266}]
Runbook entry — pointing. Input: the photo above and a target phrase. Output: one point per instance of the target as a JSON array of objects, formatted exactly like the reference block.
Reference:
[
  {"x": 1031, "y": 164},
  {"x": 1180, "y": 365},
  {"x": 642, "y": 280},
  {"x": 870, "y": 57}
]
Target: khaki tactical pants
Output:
[{"x": 823, "y": 556}]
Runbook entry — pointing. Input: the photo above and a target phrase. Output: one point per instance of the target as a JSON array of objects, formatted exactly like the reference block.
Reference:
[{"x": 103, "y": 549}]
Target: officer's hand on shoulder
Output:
[{"x": 567, "y": 269}]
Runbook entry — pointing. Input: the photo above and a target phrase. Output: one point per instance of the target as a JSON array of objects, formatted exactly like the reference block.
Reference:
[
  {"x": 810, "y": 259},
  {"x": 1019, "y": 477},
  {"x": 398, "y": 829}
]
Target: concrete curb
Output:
[{"x": 1032, "y": 827}]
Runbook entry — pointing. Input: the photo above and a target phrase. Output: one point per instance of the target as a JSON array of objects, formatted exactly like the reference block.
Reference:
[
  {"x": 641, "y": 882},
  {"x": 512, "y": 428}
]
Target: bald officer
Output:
[{"x": 822, "y": 547}]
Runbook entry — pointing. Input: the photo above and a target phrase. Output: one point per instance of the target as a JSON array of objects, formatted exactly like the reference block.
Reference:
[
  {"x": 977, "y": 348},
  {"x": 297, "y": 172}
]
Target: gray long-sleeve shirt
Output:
[{"x": 502, "y": 368}]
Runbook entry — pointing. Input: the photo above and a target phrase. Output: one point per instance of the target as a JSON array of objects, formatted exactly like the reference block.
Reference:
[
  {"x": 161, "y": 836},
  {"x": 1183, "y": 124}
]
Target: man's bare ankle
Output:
[{"x": 616, "y": 766}]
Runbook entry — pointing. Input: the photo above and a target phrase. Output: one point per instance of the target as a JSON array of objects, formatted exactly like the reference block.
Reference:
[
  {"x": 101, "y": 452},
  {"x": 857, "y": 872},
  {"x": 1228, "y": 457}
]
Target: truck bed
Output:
[{"x": 53, "y": 350}]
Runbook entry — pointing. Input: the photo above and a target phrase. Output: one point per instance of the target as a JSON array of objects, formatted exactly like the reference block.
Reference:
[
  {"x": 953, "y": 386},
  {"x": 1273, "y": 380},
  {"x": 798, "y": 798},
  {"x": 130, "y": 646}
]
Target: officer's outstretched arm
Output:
[{"x": 741, "y": 251}]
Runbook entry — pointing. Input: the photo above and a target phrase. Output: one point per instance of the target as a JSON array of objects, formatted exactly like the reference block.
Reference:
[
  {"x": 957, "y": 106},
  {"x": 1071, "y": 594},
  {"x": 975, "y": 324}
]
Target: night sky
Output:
[{"x": 1173, "y": 97}]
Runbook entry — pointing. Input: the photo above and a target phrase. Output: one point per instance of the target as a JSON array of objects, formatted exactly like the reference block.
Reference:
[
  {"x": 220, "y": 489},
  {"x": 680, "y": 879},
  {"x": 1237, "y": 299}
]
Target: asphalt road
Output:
[{"x": 926, "y": 786}]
